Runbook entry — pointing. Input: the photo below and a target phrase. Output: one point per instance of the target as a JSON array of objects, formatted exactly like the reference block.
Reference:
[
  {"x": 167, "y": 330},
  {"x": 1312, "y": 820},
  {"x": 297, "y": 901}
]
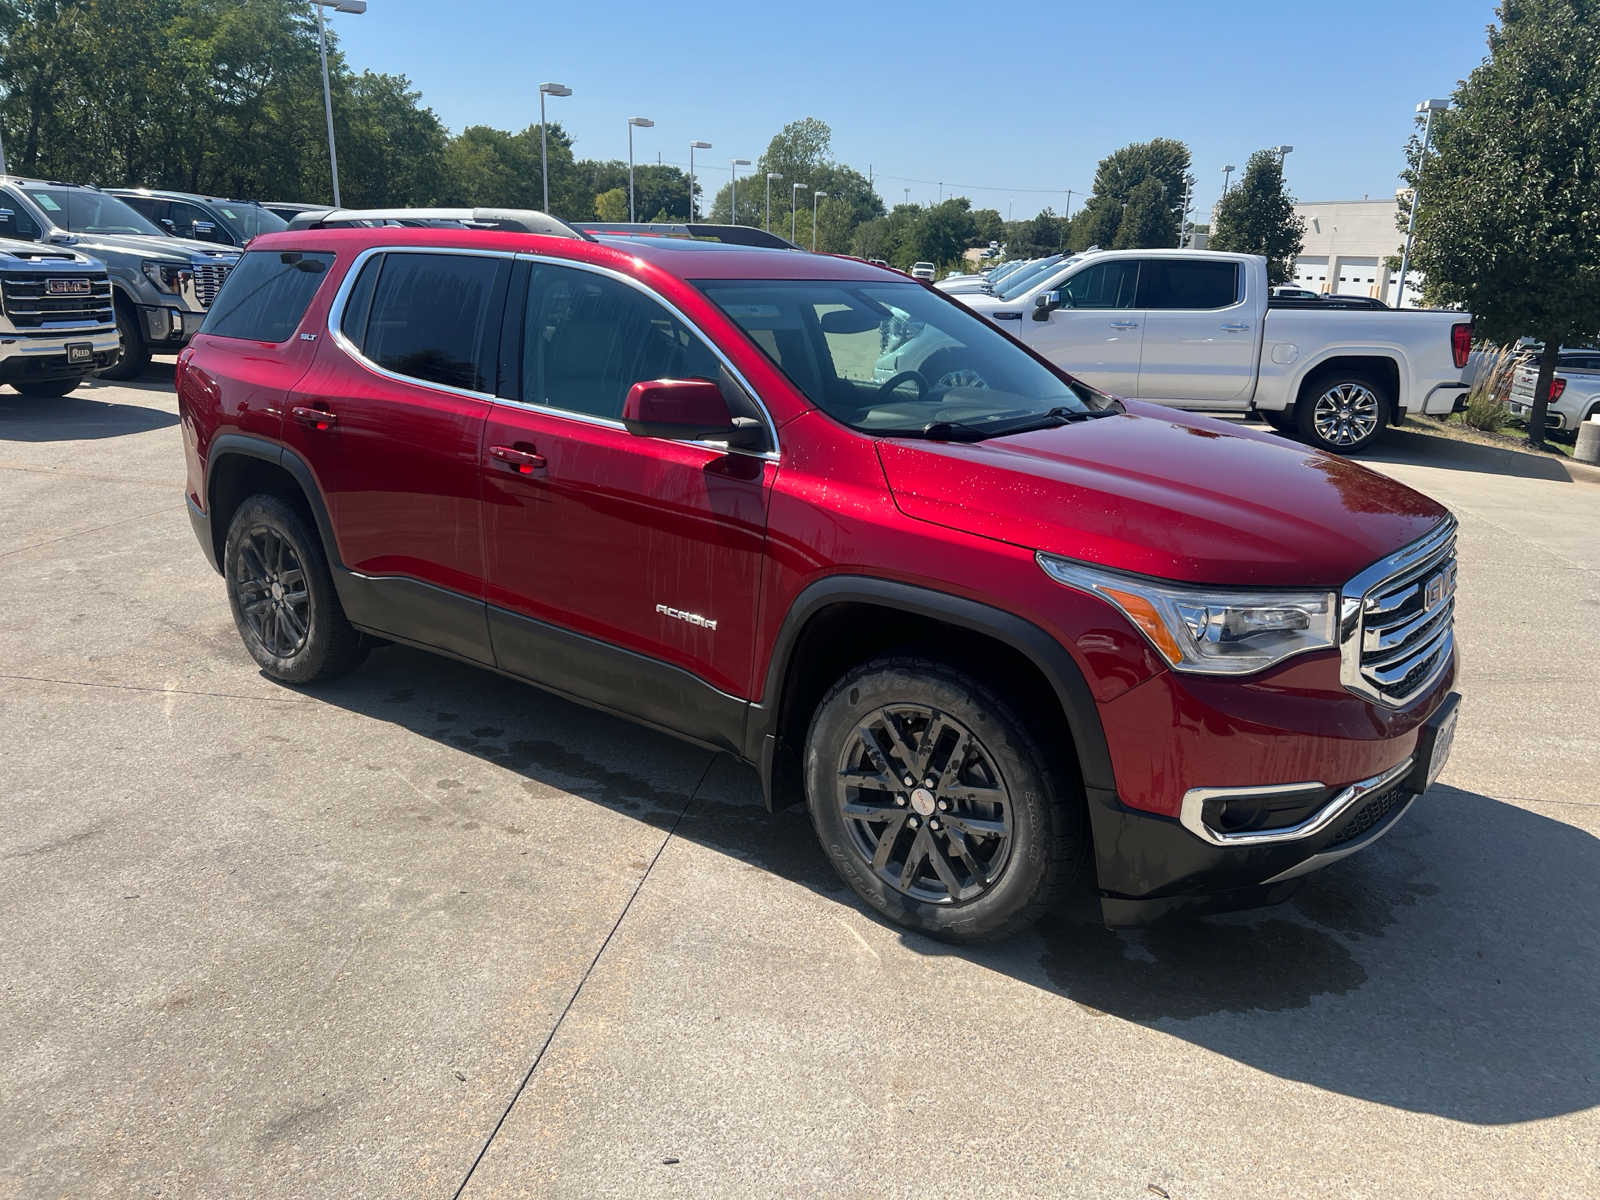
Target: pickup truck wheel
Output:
[
  {"x": 282, "y": 595},
  {"x": 135, "y": 350},
  {"x": 46, "y": 387},
  {"x": 936, "y": 804},
  {"x": 1343, "y": 412}
]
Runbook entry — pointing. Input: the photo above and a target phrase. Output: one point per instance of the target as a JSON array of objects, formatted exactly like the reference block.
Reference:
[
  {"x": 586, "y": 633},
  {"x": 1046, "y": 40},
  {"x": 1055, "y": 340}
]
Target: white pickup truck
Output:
[{"x": 1197, "y": 329}]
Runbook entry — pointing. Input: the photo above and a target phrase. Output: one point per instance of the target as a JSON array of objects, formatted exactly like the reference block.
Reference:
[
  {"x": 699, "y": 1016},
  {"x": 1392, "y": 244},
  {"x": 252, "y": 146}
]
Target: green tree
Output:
[
  {"x": 1044, "y": 234},
  {"x": 1258, "y": 217},
  {"x": 612, "y": 205},
  {"x": 1509, "y": 221},
  {"x": 942, "y": 232},
  {"x": 1166, "y": 160},
  {"x": 1146, "y": 221},
  {"x": 1095, "y": 224},
  {"x": 990, "y": 228}
]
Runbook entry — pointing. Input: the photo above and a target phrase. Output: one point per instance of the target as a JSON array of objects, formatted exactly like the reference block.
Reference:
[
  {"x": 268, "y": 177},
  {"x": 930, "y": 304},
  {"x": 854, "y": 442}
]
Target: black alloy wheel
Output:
[{"x": 273, "y": 597}]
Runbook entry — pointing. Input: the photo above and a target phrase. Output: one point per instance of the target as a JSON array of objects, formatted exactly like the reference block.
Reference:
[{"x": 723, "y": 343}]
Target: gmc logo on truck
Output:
[{"x": 67, "y": 287}]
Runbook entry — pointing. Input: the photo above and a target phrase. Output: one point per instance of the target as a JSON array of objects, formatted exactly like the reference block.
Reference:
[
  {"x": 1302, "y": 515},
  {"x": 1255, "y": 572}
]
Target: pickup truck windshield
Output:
[
  {"x": 1023, "y": 280},
  {"x": 91, "y": 212},
  {"x": 891, "y": 358}
]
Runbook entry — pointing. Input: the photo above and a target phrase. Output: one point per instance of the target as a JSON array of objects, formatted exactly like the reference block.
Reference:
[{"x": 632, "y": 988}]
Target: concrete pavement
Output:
[{"x": 425, "y": 927}]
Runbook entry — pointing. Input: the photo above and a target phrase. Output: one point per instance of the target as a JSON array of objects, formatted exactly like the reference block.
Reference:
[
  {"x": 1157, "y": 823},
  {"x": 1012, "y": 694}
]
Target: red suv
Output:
[{"x": 1003, "y": 634}]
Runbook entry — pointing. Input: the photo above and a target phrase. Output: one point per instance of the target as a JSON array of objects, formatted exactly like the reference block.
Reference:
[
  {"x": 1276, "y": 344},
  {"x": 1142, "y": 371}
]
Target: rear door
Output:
[
  {"x": 1094, "y": 330},
  {"x": 389, "y": 419},
  {"x": 624, "y": 570},
  {"x": 1201, "y": 331}
]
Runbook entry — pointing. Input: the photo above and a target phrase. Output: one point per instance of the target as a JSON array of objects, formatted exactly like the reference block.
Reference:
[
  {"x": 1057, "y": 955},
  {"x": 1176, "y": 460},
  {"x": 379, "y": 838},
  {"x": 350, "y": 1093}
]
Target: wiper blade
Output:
[
  {"x": 1057, "y": 416},
  {"x": 954, "y": 431}
]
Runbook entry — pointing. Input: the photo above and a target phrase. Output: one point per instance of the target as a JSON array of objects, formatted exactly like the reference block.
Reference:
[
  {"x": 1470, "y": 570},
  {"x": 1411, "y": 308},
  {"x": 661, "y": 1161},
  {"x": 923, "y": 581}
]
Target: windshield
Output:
[
  {"x": 248, "y": 220},
  {"x": 82, "y": 211},
  {"x": 893, "y": 358},
  {"x": 1023, "y": 280}
]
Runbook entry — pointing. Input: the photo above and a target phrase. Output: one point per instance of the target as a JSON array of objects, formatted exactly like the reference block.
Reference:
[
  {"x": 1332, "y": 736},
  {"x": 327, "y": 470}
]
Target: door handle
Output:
[
  {"x": 317, "y": 418},
  {"x": 523, "y": 462},
  {"x": 1236, "y": 326},
  {"x": 1124, "y": 324}
]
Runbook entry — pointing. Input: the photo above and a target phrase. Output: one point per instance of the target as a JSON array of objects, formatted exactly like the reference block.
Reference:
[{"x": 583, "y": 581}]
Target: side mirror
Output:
[
  {"x": 1044, "y": 303},
  {"x": 166, "y": 223},
  {"x": 683, "y": 409}
]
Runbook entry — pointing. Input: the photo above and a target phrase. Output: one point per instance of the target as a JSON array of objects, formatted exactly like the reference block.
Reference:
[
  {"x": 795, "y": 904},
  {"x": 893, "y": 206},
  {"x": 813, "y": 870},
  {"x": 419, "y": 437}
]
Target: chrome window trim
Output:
[
  {"x": 1352, "y": 598},
  {"x": 1192, "y": 813},
  {"x": 347, "y": 284},
  {"x": 611, "y": 423}
]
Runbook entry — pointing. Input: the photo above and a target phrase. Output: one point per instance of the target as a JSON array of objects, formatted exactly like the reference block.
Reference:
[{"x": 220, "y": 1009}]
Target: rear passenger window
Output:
[
  {"x": 430, "y": 317},
  {"x": 589, "y": 339},
  {"x": 264, "y": 297},
  {"x": 1170, "y": 283}
]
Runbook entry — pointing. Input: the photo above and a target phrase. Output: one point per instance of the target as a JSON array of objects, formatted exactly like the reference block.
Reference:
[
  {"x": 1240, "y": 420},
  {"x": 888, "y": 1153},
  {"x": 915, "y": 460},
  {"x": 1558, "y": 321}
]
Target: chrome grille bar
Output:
[{"x": 1397, "y": 620}]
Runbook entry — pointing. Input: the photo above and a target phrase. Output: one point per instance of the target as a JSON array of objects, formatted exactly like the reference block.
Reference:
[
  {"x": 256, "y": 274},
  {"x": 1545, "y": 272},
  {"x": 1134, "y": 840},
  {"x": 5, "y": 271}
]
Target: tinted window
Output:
[
  {"x": 358, "y": 306},
  {"x": 1104, "y": 285},
  {"x": 588, "y": 339},
  {"x": 430, "y": 317},
  {"x": 183, "y": 216},
  {"x": 85, "y": 211},
  {"x": 250, "y": 220},
  {"x": 265, "y": 296},
  {"x": 1169, "y": 283},
  {"x": 20, "y": 224}
]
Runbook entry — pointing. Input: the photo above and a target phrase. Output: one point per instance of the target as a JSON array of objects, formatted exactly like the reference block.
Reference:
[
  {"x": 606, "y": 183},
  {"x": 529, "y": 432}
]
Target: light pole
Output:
[
  {"x": 908, "y": 194},
  {"x": 733, "y": 197},
  {"x": 1429, "y": 107},
  {"x": 693, "y": 146},
  {"x": 547, "y": 89},
  {"x": 344, "y": 6},
  {"x": 642, "y": 123},
  {"x": 1227, "y": 174},
  {"x": 771, "y": 175},
  {"x": 815, "y": 197},
  {"x": 794, "y": 193},
  {"x": 1282, "y": 152}
]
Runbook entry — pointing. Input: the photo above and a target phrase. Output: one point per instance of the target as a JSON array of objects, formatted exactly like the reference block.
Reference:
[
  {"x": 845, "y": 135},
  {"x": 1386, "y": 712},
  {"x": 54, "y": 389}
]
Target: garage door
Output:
[
  {"x": 1357, "y": 277},
  {"x": 1310, "y": 272}
]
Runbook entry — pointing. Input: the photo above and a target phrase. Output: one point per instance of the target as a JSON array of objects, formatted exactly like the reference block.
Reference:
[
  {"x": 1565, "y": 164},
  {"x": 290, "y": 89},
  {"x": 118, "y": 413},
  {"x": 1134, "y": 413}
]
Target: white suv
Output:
[{"x": 923, "y": 270}]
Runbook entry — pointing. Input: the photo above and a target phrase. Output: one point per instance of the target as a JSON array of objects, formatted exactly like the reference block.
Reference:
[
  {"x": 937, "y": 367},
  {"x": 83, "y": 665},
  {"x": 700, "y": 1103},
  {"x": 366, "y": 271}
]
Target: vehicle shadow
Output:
[
  {"x": 87, "y": 414},
  {"x": 1453, "y": 969}
]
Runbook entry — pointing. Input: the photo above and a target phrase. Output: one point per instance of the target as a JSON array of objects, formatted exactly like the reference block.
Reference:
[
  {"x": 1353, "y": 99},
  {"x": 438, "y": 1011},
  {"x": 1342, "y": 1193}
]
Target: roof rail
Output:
[
  {"x": 732, "y": 235},
  {"x": 516, "y": 220}
]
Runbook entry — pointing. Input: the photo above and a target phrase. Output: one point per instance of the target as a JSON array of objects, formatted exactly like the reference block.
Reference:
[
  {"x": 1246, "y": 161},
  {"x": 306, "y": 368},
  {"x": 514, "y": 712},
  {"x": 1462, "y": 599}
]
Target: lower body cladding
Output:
[
  {"x": 1317, "y": 796},
  {"x": 25, "y": 358},
  {"x": 169, "y": 328}
]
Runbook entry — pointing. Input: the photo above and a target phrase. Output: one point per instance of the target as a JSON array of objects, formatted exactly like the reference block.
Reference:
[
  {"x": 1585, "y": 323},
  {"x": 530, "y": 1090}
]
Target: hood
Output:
[
  {"x": 151, "y": 246},
  {"x": 1167, "y": 494}
]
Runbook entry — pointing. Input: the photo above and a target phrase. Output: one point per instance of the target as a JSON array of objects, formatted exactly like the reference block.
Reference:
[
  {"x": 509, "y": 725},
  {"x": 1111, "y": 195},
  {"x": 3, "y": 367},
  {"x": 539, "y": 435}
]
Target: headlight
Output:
[
  {"x": 168, "y": 277},
  {"x": 1210, "y": 631}
]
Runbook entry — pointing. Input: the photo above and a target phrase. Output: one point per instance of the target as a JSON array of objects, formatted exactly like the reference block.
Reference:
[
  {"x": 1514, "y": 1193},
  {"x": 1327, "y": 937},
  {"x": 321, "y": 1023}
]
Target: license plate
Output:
[
  {"x": 1519, "y": 409},
  {"x": 1441, "y": 745},
  {"x": 80, "y": 352}
]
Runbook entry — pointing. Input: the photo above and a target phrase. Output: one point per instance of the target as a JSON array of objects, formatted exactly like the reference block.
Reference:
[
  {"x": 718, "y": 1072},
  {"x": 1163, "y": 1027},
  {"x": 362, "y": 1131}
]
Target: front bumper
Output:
[
  {"x": 45, "y": 356},
  {"x": 169, "y": 327}
]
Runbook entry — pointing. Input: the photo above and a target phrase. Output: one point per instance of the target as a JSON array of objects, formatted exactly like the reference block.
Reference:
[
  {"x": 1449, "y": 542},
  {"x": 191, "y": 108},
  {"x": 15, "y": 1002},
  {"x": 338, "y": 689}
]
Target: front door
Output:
[
  {"x": 1201, "y": 334},
  {"x": 393, "y": 434},
  {"x": 623, "y": 570},
  {"x": 1094, "y": 331}
]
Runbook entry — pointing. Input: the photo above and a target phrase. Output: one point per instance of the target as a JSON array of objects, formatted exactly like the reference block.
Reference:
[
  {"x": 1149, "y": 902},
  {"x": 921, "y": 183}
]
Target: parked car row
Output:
[{"x": 1574, "y": 390}]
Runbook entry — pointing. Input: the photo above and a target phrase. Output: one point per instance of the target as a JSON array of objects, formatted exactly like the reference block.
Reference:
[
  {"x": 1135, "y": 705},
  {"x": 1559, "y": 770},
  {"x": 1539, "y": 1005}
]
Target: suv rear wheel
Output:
[
  {"x": 1343, "y": 411},
  {"x": 282, "y": 596},
  {"x": 936, "y": 804}
]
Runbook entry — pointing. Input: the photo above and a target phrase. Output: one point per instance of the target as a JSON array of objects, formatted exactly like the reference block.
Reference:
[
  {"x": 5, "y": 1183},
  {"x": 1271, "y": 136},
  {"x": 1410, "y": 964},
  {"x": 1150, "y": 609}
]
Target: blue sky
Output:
[{"x": 1007, "y": 104}]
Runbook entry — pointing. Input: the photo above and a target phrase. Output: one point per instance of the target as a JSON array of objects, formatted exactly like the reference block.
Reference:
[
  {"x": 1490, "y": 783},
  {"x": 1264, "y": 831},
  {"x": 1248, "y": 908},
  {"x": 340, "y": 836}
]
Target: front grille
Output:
[
  {"x": 29, "y": 305},
  {"x": 1399, "y": 629},
  {"x": 208, "y": 279},
  {"x": 1370, "y": 814}
]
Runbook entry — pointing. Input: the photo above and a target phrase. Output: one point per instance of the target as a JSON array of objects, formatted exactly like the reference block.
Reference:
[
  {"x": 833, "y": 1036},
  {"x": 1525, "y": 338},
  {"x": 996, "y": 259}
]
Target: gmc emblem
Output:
[{"x": 67, "y": 287}]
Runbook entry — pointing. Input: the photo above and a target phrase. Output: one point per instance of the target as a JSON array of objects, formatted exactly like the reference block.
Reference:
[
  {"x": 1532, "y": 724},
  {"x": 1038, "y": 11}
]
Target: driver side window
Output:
[
  {"x": 1104, "y": 285},
  {"x": 19, "y": 224}
]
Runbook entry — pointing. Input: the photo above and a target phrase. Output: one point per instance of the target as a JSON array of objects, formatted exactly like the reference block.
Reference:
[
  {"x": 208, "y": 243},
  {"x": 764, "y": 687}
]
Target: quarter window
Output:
[
  {"x": 265, "y": 296},
  {"x": 430, "y": 317},
  {"x": 1166, "y": 283},
  {"x": 588, "y": 339}
]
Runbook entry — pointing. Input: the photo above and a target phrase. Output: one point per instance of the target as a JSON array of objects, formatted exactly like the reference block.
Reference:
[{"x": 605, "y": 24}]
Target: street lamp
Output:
[
  {"x": 733, "y": 197},
  {"x": 1227, "y": 173},
  {"x": 1282, "y": 152},
  {"x": 771, "y": 175},
  {"x": 693, "y": 146},
  {"x": 547, "y": 89},
  {"x": 344, "y": 6},
  {"x": 642, "y": 123},
  {"x": 815, "y": 197},
  {"x": 1428, "y": 107},
  {"x": 794, "y": 193}
]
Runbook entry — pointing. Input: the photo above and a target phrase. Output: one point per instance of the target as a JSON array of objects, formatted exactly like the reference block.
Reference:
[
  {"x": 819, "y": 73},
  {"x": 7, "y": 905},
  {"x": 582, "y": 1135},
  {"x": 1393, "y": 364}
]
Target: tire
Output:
[
  {"x": 1010, "y": 839},
  {"x": 43, "y": 388},
  {"x": 282, "y": 596},
  {"x": 135, "y": 350},
  {"x": 1343, "y": 411},
  {"x": 1281, "y": 419}
]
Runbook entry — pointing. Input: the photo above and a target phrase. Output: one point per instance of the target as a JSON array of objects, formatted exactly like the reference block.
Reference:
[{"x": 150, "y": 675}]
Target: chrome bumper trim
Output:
[
  {"x": 1192, "y": 814},
  {"x": 1317, "y": 861}
]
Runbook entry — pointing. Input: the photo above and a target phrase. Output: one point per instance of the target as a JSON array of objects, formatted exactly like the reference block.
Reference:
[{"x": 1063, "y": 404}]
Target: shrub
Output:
[{"x": 1486, "y": 402}]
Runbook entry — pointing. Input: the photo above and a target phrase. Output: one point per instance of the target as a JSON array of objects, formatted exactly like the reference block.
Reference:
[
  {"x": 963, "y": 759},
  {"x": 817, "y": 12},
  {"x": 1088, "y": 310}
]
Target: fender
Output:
[
  {"x": 1059, "y": 668},
  {"x": 1280, "y": 391},
  {"x": 251, "y": 446}
]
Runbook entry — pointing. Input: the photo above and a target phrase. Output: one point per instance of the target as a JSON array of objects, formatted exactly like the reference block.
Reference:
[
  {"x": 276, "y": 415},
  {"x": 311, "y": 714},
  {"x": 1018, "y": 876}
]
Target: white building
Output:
[{"x": 1346, "y": 243}]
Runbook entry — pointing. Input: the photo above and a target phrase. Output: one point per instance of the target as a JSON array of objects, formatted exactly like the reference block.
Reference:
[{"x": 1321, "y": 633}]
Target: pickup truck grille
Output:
[
  {"x": 29, "y": 303},
  {"x": 1398, "y": 620},
  {"x": 208, "y": 279}
]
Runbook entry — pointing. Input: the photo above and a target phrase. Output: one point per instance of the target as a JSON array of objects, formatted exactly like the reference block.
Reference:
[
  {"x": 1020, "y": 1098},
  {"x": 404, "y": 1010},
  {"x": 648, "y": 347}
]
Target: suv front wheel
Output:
[
  {"x": 282, "y": 596},
  {"x": 935, "y": 803}
]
